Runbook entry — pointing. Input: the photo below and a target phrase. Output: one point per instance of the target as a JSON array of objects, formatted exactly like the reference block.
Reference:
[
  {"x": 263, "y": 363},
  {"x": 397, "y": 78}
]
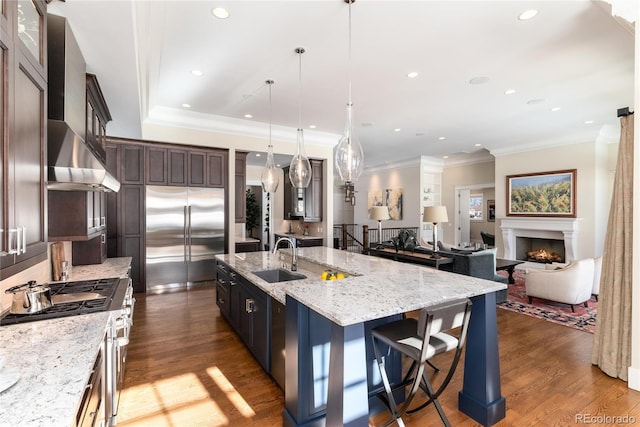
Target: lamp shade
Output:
[
  {"x": 435, "y": 214},
  {"x": 379, "y": 212}
]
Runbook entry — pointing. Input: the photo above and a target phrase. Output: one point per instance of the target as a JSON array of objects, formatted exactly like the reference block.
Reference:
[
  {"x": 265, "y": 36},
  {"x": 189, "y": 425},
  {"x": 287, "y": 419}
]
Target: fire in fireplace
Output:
[
  {"x": 544, "y": 256},
  {"x": 540, "y": 250}
]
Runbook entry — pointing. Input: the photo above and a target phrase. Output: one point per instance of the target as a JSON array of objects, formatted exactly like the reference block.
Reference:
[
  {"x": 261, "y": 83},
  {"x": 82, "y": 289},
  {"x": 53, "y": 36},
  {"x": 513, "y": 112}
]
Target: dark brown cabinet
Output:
[
  {"x": 313, "y": 194},
  {"x": 23, "y": 236},
  {"x": 216, "y": 169},
  {"x": 304, "y": 203},
  {"x": 76, "y": 215},
  {"x": 129, "y": 161},
  {"x": 241, "y": 187},
  {"x": 98, "y": 116}
]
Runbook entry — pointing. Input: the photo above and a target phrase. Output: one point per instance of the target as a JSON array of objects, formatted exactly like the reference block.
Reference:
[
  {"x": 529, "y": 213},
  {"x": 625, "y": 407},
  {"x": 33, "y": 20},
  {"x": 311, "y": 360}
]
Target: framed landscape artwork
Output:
[{"x": 543, "y": 194}]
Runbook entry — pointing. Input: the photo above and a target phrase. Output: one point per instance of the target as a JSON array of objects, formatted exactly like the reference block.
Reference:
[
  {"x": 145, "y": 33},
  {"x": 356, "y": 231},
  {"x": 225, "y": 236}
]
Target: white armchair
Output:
[
  {"x": 597, "y": 272},
  {"x": 570, "y": 285}
]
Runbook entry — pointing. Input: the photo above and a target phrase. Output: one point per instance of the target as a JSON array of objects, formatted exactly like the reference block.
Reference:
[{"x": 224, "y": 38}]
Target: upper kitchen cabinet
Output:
[
  {"x": 241, "y": 186},
  {"x": 184, "y": 167},
  {"x": 23, "y": 44},
  {"x": 98, "y": 116},
  {"x": 304, "y": 203}
]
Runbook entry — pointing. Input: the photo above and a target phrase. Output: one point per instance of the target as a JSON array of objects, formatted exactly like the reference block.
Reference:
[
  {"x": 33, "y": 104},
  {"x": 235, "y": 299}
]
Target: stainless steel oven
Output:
[{"x": 117, "y": 342}]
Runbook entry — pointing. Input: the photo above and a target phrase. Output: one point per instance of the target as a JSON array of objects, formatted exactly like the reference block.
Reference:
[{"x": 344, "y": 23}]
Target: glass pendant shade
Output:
[
  {"x": 349, "y": 155},
  {"x": 270, "y": 177},
  {"x": 300, "y": 168},
  {"x": 270, "y": 174}
]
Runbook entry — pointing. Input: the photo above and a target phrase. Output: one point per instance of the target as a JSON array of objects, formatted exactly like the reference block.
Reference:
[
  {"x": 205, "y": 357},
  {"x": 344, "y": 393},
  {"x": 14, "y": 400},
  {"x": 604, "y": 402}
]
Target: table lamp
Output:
[
  {"x": 435, "y": 215},
  {"x": 380, "y": 213}
]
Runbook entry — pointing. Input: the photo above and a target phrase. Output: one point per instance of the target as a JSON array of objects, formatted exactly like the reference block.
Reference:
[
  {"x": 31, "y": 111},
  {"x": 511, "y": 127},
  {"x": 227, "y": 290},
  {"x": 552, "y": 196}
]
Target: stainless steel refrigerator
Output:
[{"x": 185, "y": 229}]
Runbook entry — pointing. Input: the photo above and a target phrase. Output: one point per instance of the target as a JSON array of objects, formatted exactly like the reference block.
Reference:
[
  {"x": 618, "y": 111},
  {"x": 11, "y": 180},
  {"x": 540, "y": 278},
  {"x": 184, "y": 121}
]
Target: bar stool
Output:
[{"x": 420, "y": 340}]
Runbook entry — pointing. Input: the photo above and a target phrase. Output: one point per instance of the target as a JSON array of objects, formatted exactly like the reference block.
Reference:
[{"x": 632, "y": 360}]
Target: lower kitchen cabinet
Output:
[
  {"x": 277, "y": 351},
  {"x": 247, "y": 309}
]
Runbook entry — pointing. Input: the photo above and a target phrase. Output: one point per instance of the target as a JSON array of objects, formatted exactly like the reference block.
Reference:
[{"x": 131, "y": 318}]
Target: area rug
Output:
[{"x": 583, "y": 319}]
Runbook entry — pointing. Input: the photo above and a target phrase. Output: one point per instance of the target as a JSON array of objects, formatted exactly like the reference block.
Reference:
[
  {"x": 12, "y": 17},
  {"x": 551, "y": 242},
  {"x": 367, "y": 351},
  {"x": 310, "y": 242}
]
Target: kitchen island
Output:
[{"x": 328, "y": 367}]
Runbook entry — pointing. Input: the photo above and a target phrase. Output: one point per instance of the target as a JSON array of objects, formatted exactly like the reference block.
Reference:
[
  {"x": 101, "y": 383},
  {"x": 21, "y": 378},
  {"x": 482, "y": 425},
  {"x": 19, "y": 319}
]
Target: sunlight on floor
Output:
[
  {"x": 178, "y": 401},
  {"x": 234, "y": 397}
]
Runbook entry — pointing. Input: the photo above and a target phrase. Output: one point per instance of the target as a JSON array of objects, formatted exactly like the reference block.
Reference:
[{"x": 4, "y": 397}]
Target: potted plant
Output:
[{"x": 253, "y": 212}]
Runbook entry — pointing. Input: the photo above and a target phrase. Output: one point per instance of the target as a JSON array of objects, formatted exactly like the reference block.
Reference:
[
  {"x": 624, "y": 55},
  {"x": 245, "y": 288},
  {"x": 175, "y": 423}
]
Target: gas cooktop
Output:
[{"x": 106, "y": 288}]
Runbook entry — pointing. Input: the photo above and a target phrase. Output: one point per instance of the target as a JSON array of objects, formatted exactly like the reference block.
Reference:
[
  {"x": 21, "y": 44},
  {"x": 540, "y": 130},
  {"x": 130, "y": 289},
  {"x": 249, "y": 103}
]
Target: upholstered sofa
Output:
[{"x": 571, "y": 285}]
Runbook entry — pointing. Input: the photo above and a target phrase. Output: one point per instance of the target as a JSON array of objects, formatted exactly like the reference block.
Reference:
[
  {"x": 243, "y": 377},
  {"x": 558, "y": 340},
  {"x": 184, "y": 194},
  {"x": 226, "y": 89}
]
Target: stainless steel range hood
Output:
[{"x": 72, "y": 166}]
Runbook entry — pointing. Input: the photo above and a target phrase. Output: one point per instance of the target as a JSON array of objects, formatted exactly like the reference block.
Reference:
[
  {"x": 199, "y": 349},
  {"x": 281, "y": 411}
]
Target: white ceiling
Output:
[{"x": 573, "y": 55}]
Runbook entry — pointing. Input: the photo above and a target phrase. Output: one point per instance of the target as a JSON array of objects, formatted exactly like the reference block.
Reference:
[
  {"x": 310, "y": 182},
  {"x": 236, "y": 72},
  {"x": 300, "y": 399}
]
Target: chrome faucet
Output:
[{"x": 292, "y": 244}]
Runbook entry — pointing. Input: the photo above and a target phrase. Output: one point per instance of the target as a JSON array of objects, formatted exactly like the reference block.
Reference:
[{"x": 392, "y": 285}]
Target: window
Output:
[{"x": 476, "y": 207}]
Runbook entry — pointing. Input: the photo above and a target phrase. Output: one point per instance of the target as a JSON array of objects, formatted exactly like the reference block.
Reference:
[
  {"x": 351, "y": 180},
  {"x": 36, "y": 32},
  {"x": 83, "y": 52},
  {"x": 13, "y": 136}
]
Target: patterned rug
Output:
[{"x": 583, "y": 319}]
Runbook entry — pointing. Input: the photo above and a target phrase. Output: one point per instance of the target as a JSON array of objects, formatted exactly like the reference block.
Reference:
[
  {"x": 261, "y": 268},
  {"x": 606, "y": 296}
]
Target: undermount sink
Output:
[{"x": 278, "y": 275}]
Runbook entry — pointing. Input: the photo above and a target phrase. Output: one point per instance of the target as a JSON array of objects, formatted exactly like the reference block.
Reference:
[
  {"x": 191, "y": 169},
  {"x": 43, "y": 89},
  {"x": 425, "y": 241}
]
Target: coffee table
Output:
[{"x": 508, "y": 265}]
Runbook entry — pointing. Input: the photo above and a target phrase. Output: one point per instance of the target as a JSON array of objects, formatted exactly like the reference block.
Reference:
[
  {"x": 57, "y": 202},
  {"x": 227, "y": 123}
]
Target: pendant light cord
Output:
[
  {"x": 300, "y": 52},
  {"x": 350, "y": 62},
  {"x": 270, "y": 82}
]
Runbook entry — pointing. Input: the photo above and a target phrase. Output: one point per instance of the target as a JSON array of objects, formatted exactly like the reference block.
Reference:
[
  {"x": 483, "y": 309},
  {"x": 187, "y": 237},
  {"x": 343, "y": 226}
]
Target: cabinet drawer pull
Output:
[{"x": 248, "y": 305}]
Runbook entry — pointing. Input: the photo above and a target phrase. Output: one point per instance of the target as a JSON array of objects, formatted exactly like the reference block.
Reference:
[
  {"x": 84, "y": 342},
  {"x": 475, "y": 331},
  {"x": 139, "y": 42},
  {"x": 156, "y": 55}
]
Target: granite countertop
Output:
[
  {"x": 54, "y": 358},
  {"x": 240, "y": 239},
  {"x": 111, "y": 267},
  {"x": 299, "y": 236},
  {"x": 376, "y": 287}
]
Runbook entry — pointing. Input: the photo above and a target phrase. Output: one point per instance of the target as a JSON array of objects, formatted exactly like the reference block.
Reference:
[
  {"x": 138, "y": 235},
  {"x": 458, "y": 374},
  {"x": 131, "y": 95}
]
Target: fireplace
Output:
[{"x": 555, "y": 231}]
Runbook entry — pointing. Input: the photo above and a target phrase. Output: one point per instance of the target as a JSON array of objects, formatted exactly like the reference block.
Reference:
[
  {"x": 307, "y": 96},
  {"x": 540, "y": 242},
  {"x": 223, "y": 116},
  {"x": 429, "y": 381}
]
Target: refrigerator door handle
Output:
[
  {"x": 184, "y": 233},
  {"x": 189, "y": 242}
]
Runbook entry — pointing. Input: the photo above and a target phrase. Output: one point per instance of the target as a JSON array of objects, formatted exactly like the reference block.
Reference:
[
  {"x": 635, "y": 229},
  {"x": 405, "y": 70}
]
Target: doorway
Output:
[{"x": 470, "y": 222}]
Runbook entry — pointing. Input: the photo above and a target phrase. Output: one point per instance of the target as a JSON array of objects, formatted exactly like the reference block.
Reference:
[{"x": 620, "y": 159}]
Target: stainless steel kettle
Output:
[{"x": 29, "y": 298}]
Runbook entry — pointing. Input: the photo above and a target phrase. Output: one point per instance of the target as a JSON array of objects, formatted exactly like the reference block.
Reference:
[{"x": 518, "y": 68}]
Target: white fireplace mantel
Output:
[{"x": 545, "y": 228}]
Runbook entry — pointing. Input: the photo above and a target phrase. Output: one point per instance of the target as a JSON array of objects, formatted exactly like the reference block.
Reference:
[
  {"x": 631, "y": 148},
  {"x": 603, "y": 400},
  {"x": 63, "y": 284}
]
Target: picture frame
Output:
[
  {"x": 491, "y": 210},
  {"x": 542, "y": 194}
]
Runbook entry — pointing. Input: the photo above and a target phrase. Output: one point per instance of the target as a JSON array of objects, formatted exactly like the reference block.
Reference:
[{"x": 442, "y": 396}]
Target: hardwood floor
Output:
[{"x": 186, "y": 368}]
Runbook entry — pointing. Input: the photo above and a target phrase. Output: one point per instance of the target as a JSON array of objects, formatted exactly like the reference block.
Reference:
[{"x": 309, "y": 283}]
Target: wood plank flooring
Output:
[{"x": 186, "y": 368}]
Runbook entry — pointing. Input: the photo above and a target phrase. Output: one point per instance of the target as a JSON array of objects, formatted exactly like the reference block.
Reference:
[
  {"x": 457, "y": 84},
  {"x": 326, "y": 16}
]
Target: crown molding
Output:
[
  {"x": 166, "y": 116},
  {"x": 470, "y": 159}
]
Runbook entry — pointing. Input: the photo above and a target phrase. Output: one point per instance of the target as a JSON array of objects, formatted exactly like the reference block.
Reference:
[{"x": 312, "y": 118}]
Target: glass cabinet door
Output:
[{"x": 30, "y": 27}]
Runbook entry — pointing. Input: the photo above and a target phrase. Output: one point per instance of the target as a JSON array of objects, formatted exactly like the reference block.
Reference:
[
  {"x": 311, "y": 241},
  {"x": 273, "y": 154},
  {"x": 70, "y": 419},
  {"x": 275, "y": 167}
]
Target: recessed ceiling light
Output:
[
  {"x": 445, "y": 157},
  {"x": 478, "y": 145},
  {"x": 588, "y": 122},
  {"x": 442, "y": 138},
  {"x": 367, "y": 124},
  {"x": 278, "y": 165},
  {"x": 258, "y": 154},
  {"x": 197, "y": 73},
  {"x": 220, "y": 12},
  {"x": 419, "y": 134},
  {"x": 527, "y": 14},
  {"x": 535, "y": 101},
  {"x": 412, "y": 74},
  {"x": 556, "y": 109},
  {"x": 479, "y": 80},
  {"x": 248, "y": 116},
  {"x": 312, "y": 126},
  {"x": 396, "y": 130},
  {"x": 186, "y": 105},
  {"x": 509, "y": 91}
]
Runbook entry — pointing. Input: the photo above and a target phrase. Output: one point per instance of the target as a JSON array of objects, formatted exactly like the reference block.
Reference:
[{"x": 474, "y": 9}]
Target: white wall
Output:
[
  {"x": 591, "y": 160},
  {"x": 458, "y": 176},
  {"x": 406, "y": 177}
]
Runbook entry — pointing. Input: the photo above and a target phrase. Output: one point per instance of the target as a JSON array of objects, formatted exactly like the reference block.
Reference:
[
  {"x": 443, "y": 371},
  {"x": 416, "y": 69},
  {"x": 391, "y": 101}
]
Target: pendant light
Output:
[
  {"x": 270, "y": 174},
  {"x": 300, "y": 168},
  {"x": 349, "y": 156}
]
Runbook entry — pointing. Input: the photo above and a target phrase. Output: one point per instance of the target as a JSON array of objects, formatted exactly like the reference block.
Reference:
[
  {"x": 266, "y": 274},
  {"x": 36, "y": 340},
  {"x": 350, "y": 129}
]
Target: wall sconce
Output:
[{"x": 349, "y": 193}]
